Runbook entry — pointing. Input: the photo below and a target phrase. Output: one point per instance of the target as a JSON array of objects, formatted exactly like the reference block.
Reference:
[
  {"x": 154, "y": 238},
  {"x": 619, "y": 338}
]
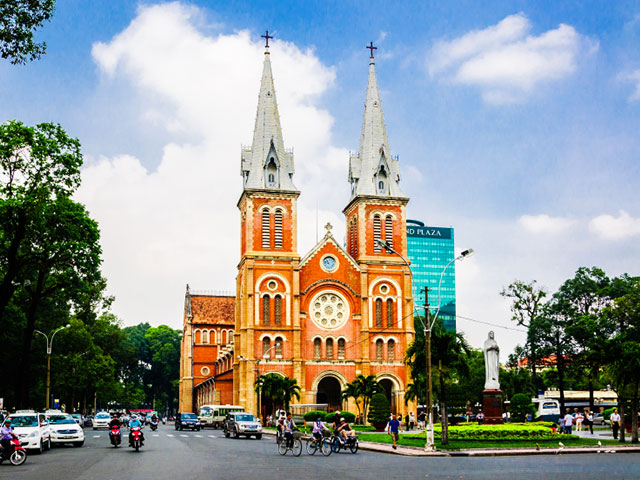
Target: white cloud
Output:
[
  {"x": 179, "y": 223},
  {"x": 633, "y": 77},
  {"x": 615, "y": 228},
  {"x": 544, "y": 224},
  {"x": 505, "y": 62}
]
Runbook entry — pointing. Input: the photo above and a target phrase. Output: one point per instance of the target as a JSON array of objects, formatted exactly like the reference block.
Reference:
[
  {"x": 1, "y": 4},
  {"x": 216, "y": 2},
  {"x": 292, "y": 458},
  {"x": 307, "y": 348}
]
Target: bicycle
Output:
[
  {"x": 295, "y": 447},
  {"x": 324, "y": 444}
]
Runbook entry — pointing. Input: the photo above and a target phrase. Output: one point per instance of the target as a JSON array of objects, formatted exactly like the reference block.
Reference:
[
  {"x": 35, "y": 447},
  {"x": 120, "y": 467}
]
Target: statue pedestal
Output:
[{"x": 492, "y": 407}]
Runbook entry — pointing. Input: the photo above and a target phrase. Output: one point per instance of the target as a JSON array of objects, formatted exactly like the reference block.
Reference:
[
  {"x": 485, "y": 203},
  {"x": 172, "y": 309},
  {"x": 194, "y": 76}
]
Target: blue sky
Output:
[{"x": 515, "y": 122}]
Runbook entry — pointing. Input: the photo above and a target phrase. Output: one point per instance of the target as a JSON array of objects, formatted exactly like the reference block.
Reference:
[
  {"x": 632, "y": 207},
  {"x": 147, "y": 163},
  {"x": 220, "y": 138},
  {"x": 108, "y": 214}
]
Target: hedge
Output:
[
  {"x": 313, "y": 415},
  {"x": 496, "y": 432},
  {"x": 348, "y": 417}
]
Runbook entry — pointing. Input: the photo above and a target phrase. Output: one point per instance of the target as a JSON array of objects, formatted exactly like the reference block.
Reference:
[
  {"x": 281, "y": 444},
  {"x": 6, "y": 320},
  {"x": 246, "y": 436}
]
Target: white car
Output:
[
  {"x": 101, "y": 420},
  {"x": 32, "y": 429},
  {"x": 64, "y": 429}
]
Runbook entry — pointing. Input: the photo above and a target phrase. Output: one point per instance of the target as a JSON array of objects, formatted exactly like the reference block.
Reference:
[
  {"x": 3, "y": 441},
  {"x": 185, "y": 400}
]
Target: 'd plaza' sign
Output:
[{"x": 418, "y": 229}]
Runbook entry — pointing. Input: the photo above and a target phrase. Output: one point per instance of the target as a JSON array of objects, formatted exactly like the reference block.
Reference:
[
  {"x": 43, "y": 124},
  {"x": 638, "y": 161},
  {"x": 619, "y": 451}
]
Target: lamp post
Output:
[
  {"x": 265, "y": 355},
  {"x": 430, "y": 445},
  {"x": 49, "y": 345}
]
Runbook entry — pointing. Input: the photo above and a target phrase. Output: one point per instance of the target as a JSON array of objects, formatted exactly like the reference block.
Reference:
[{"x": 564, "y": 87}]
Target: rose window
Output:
[{"x": 329, "y": 310}]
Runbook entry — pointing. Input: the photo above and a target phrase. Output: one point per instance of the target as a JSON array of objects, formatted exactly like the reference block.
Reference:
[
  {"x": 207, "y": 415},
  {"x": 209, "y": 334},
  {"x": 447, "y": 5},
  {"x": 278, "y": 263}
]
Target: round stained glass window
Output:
[{"x": 329, "y": 310}]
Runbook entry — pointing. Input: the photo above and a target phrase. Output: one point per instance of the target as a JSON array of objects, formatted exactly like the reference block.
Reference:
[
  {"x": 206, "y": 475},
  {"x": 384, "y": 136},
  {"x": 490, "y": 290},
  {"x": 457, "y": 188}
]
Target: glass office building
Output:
[{"x": 430, "y": 249}]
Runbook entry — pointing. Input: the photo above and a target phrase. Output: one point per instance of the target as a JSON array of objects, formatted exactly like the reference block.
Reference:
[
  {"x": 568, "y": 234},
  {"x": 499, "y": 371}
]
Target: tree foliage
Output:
[
  {"x": 18, "y": 20},
  {"x": 380, "y": 409}
]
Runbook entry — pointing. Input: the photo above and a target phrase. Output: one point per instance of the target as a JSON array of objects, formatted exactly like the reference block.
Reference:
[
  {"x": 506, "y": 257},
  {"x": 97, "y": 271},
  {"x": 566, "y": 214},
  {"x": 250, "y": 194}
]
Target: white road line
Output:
[
  {"x": 170, "y": 435},
  {"x": 185, "y": 436},
  {"x": 199, "y": 436},
  {"x": 96, "y": 436},
  {"x": 156, "y": 435},
  {"x": 211, "y": 436}
]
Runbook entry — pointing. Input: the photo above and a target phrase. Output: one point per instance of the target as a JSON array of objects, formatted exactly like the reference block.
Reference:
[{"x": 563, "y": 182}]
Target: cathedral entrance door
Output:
[
  {"x": 388, "y": 389},
  {"x": 329, "y": 390}
]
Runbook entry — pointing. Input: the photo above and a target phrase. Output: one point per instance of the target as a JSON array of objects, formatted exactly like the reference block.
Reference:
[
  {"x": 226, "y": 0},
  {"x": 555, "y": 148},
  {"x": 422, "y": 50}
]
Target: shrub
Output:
[
  {"x": 380, "y": 409},
  {"x": 313, "y": 415},
  {"x": 526, "y": 431},
  {"x": 520, "y": 406},
  {"x": 348, "y": 417},
  {"x": 607, "y": 413}
]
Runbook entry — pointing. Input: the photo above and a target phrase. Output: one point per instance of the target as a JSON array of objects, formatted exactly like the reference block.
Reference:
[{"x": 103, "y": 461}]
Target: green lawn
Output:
[{"x": 418, "y": 441}]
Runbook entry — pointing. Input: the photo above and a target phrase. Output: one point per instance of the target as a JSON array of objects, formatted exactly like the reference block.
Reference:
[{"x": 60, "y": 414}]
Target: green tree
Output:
[
  {"x": 18, "y": 20},
  {"x": 352, "y": 390},
  {"x": 368, "y": 386},
  {"x": 520, "y": 407},
  {"x": 164, "y": 346},
  {"x": 380, "y": 409},
  {"x": 290, "y": 390}
]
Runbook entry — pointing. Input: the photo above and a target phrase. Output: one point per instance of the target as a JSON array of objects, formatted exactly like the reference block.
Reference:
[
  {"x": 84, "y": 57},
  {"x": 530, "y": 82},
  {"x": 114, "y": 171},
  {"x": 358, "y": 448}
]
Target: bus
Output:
[{"x": 214, "y": 415}]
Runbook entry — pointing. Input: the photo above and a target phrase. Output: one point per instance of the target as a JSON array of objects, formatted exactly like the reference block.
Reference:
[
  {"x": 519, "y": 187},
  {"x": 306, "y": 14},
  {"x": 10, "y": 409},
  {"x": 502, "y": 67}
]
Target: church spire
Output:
[
  {"x": 267, "y": 165},
  {"x": 373, "y": 171}
]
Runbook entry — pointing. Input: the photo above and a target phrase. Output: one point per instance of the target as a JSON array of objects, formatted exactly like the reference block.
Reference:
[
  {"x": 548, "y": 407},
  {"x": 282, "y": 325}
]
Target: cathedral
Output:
[{"x": 323, "y": 318}]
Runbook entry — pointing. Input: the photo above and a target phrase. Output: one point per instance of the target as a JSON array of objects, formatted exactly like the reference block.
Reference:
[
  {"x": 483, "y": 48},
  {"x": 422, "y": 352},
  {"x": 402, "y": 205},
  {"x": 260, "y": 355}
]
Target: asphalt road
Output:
[{"x": 168, "y": 454}]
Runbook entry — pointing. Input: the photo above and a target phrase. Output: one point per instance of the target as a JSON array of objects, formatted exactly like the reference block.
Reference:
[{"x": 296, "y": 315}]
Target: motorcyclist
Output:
[
  {"x": 154, "y": 421},
  {"x": 115, "y": 423},
  {"x": 6, "y": 434},
  {"x": 135, "y": 422}
]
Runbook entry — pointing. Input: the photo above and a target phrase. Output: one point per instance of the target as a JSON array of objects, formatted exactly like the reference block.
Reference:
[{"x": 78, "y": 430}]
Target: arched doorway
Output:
[
  {"x": 329, "y": 390},
  {"x": 388, "y": 390}
]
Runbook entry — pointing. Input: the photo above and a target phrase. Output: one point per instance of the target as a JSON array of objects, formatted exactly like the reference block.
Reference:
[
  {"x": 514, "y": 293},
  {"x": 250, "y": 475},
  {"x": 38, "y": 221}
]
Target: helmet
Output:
[
  {"x": 342, "y": 419},
  {"x": 319, "y": 419},
  {"x": 7, "y": 420}
]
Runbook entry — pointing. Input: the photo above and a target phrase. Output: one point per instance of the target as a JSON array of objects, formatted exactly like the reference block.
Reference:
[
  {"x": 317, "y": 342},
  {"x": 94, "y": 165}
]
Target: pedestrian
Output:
[
  {"x": 615, "y": 423},
  {"x": 529, "y": 417},
  {"x": 579, "y": 420},
  {"x": 406, "y": 421},
  {"x": 588, "y": 420},
  {"x": 480, "y": 417},
  {"x": 561, "y": 424},
  {"x": 568, "y": 423},
  {"x": 421, "y": 420},
  {"x": 412, "y": 421},
  {"x": 393, "y": 429}
]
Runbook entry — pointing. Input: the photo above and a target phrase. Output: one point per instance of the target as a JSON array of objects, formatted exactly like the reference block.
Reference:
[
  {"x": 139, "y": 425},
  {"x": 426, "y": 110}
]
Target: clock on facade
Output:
[{"x": 329, "y": 263}]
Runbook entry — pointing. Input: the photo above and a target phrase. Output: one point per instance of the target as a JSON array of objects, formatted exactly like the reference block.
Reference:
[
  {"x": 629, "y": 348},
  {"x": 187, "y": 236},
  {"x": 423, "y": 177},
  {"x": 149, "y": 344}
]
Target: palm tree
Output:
[
  {"x": 270, "y": 387},
  {"x": 290, "y": 389},
  {"x": 416, "y": 391},
  {"x": 367, "y": 386},
  {"x": 352, "y": 390}
]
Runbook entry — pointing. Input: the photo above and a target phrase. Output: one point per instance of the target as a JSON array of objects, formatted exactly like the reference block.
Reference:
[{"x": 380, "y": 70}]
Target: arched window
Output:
[
  {"x": 378, "y": 312},
  {"x": 353, "y": 237},
  {"x": 278, "y": 347},
  {"x": 379, "y": 350},
  {"x": 389, "y": 313},
  {"x": 329, "y": 348},
  {"x": 317, "y": 349},
  {"x": 223, "y": 337},
  {"x": 391, "y": 351},
  {"x": 277, "y": 310},
  {"x": 205, "y": 337},
  {"x": 272, "y": 173},
  {"x": 266, "y": 229},
  {"x": 388, "y": 230},
  {"x": 266, "y": 345},
  {"x": 266, "y": 301},
  {"x": 376, "y": 233},
  {"x": 341, "y": 349},
  {"x": 277, "y": 230}
]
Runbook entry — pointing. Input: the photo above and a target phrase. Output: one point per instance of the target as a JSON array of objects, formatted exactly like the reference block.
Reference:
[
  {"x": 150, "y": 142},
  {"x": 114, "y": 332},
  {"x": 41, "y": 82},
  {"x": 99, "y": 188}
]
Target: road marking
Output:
[
  {"x": 96, "y": 436},
  {"x": 170, "y": 435},
  {"x": 199, "y": 436},
  {"x": 156, "y": 435},
  {"x": 211, "y": 436},
  {"x": 183, "y": 435}
]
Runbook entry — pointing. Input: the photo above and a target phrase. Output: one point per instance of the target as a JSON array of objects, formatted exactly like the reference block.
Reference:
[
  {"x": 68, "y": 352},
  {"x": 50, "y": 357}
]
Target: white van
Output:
[
  {"x": 214, "y": 415},
  {"x": 547, "y": 409}
]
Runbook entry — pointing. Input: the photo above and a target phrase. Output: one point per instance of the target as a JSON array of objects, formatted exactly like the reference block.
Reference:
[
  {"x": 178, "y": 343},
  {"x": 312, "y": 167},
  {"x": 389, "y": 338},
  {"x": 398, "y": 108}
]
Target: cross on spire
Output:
[
  {"x": 266, "y": 36},
  {"x": 372, "y": 48},
  {"x": 328, "y": 227}
]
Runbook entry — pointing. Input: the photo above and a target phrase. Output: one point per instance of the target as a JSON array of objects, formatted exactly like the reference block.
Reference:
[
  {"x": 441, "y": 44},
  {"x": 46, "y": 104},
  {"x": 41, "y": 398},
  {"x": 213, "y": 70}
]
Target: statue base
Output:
[{"x": 492, "y": 407}]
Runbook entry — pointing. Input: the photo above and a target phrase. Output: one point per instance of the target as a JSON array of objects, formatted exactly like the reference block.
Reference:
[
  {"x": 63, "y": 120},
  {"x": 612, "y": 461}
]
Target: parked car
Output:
[
  {"x": 187, "y": 420},
  {"x": 101, "y": 420},
  {"x": 78, "y": 418},
  {"x": 242, "y": 423},
  {"x": 32, "y": 429},
  {"x": 65, "y": 429},
  {"x": 598, "y": 419}
]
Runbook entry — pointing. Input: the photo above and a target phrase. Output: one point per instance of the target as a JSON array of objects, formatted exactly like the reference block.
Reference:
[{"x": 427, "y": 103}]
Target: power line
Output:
[{"x": 491, "y": 324}]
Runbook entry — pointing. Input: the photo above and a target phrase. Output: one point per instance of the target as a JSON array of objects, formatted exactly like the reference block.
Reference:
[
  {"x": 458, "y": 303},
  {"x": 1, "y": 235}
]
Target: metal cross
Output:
[
  {"x": 266, "y": 36},
  {"x": 372, "y": 48},
  {"x": 328, "y": 227}
]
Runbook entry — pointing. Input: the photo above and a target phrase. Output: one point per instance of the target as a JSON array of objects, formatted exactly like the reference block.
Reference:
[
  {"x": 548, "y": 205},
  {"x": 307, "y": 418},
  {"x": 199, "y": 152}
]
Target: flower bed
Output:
[{"x": 517, "y": 431}]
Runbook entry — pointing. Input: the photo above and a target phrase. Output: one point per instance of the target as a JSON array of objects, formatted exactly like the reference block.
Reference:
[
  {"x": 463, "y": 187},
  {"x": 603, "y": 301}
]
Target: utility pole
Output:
[{"x": 430, "y": 443}]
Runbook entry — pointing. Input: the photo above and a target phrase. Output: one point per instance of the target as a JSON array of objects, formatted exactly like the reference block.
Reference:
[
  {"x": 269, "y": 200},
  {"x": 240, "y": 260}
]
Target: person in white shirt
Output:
[
  {"x": 568, "y": 423},
  {"x": 615, "y": 423}
]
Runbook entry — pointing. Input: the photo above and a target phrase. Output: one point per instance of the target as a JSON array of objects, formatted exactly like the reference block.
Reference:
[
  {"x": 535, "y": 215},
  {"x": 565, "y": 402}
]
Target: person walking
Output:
[
  {"x": 615, "y": 423},
  {"x": 579, "y": 420},
  {"x": 393, "y": 429},
  {"x": 568, "y": 423},
  {"x": 412, "y": 421},
  {"x": 588, "y": 420},
  {"x": 561, "y": 424}
]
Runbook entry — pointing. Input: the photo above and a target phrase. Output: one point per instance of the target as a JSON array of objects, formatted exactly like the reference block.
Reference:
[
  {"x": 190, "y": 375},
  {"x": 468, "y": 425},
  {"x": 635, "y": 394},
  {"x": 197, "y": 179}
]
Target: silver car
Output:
[{"x": 242, "y": 423}]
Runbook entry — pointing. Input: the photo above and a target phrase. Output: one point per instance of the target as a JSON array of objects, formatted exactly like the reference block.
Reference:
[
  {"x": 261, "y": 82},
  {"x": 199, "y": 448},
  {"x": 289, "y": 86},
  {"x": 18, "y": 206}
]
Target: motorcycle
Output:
[
  {"x": 17, "y": 454},
  {"x": 136, "y": 438},
  {"x": 154, "y": 425},
  {"x": 115, "y": 436}
]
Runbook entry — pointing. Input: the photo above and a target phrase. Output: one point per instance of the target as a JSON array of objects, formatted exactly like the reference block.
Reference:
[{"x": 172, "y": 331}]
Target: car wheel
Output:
[
  {"x": 226, "y": 434},
  {"x": 259, "y": 436},
  {"x": 95, "y": 428},
  {"x": 198, "y": 429},
  {"x": 40, "y": 449}
]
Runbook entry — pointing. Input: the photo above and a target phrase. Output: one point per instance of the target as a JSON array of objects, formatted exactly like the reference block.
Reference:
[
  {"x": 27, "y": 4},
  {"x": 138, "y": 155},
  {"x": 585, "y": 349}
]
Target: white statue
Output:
[{"x": 491, "y": 363}]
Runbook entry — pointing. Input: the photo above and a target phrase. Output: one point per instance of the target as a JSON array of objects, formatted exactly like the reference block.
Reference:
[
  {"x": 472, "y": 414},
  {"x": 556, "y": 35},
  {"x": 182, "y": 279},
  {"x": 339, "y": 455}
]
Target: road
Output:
[{"x": 173, "y": 455}]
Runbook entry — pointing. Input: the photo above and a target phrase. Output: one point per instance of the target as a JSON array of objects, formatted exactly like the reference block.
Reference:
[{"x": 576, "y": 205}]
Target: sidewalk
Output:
[{"x": 493, "y": 452}]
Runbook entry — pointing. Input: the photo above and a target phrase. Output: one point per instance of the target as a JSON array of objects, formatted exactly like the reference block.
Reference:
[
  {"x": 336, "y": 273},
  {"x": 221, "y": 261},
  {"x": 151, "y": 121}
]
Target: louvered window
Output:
[
  {"x": 277, "y": 310},
  {"x": 205, "y": 336},
  {"x": 278, "y": 347},
  {"x": 341, "y": 348},
  {"x": 378, "y": 312},
  {"x": 266, "y": 300},
  {"x": 388, "y": 230},
  {"x": 376, "y": 233},
  {"x": 379, "y": 350},
  {"x": 277, "y": 232},
  {"x": 329, "y": 348},
  {"x": 389, "y": 313},
  {"x": 266, "y": 345},
  {"x": 266, "y": 229},
  {"x": 391, "y": 351},
  {"x": 317, "y": 349}
]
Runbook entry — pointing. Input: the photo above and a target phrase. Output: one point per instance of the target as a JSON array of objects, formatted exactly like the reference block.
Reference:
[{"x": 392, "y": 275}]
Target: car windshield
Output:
[
  {"x": 24, "y": 421},
  {"x": 206, "y": 411},
  {"x": 189, "y": 416},
  {"x": 61, "y": 419},
  {"x": 245, "y": 417},
  {"x": 76, "y": 415},
  {"x": 103, "y": 415}
]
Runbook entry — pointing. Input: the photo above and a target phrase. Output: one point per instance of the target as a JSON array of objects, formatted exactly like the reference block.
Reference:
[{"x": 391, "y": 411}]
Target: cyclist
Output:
[
  {"x": 344, "y": 430},
  {"x": 289, "y": 427},
  {"x": 318, "y": 427}
]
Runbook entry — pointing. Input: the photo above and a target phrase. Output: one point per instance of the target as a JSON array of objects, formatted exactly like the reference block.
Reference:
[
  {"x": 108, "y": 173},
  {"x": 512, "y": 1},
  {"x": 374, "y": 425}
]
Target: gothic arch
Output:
[
  {"x": 397, "y": 383},
  {"x": 259, "y": 294},
  {"x": 328, "y": 373},
  {"x": 397, "y": 298}
]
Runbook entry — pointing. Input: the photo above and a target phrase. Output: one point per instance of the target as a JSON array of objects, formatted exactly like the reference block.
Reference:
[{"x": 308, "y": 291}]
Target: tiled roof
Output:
[{"x": 219, "y": 310}]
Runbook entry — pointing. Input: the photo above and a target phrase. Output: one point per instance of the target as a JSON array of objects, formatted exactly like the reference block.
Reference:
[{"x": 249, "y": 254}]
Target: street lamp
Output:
[
  {"x": 49, "y": 345},
  {"x": 265, "y": 355},
  {"x": 430, "y": 445}
]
